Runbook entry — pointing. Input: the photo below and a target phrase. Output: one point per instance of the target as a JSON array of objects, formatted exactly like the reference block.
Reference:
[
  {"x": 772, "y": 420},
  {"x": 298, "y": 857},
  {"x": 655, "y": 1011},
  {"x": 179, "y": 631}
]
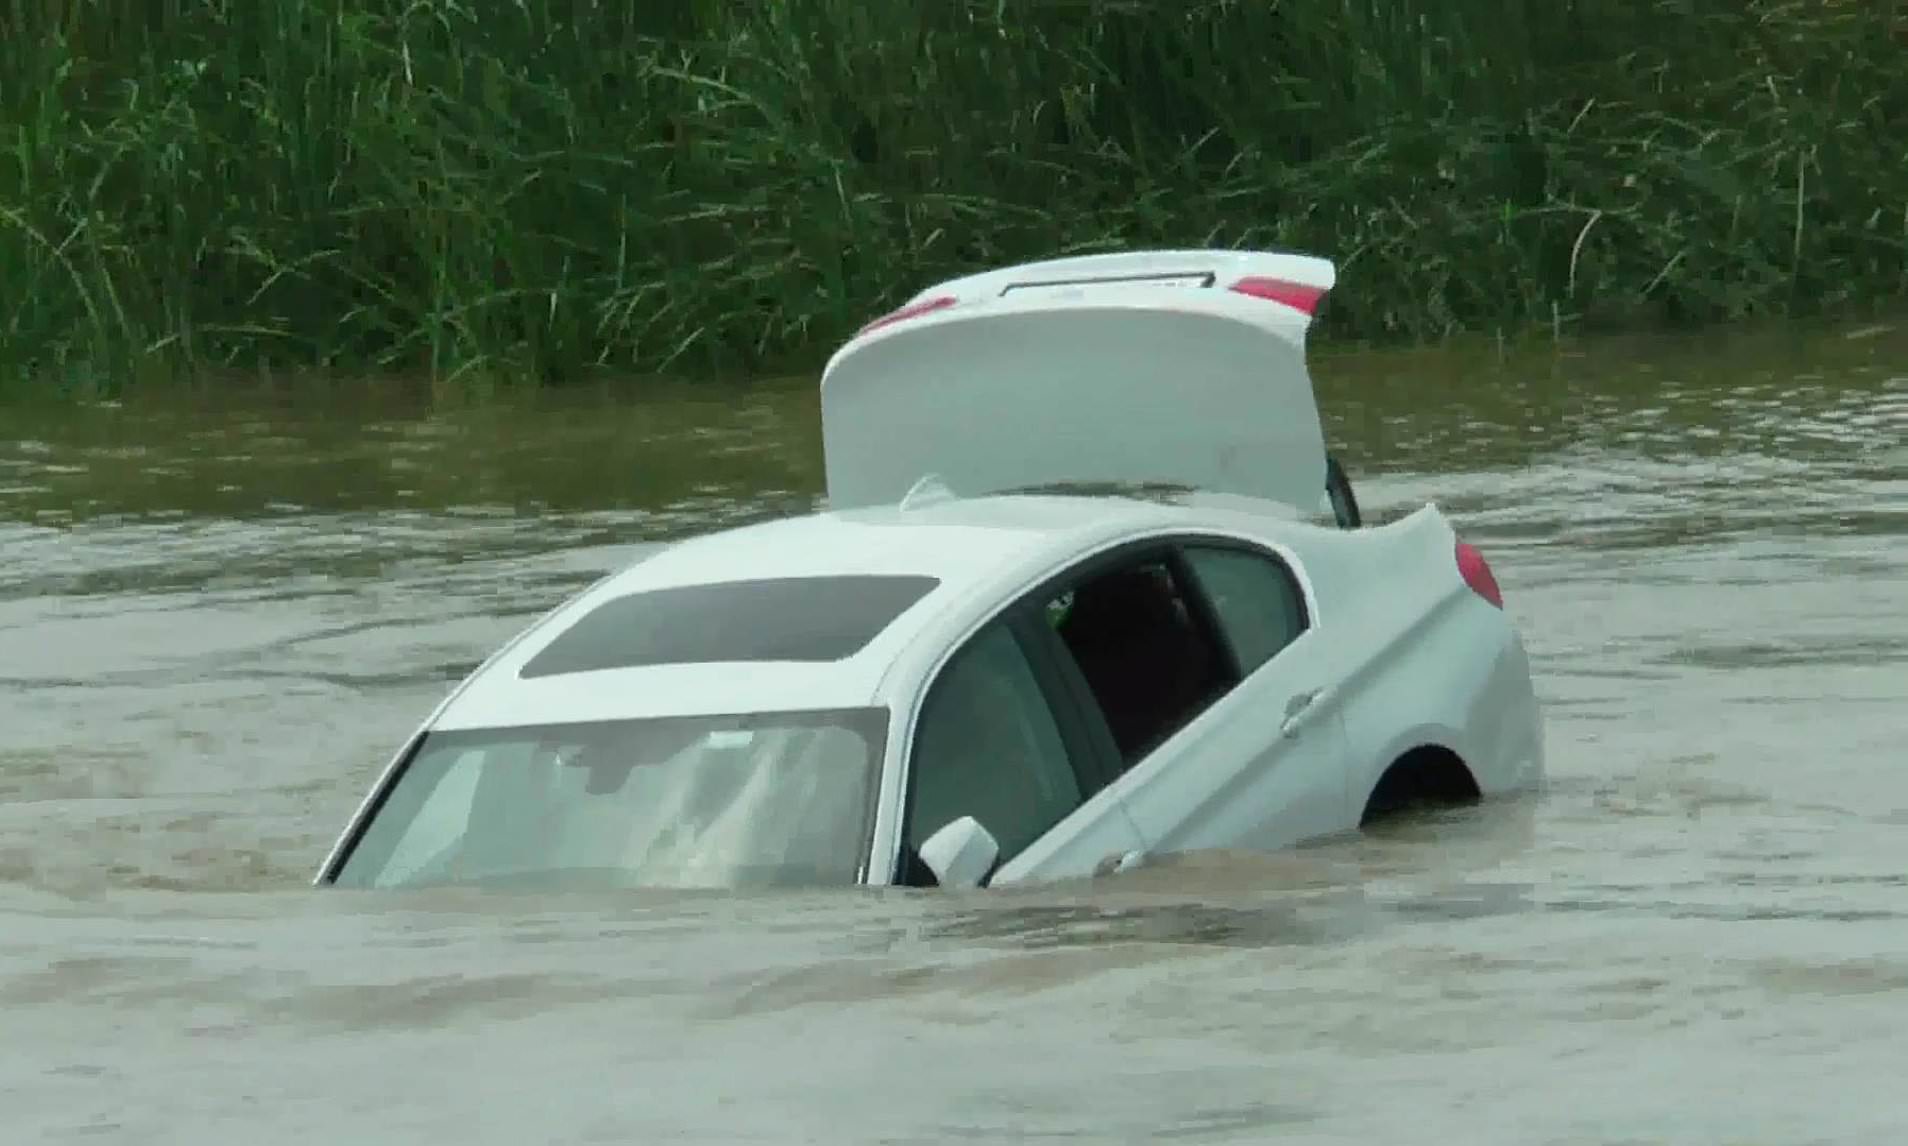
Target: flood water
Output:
[{"x": 219, "y": 615}]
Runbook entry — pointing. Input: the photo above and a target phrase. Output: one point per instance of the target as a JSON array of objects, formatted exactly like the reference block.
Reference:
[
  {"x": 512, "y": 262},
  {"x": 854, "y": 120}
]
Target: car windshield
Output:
[{"x": 720, "y": 801}]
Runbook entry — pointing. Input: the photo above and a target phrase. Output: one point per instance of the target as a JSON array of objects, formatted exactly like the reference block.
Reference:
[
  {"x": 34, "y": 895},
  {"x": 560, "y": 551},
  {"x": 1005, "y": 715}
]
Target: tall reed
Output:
[{"x": 541, "y": 188}]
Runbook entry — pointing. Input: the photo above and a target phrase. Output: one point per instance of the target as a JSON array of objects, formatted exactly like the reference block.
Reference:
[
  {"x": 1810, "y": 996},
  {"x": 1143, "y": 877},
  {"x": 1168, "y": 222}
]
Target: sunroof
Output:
[{"x": 780, "y": 619}]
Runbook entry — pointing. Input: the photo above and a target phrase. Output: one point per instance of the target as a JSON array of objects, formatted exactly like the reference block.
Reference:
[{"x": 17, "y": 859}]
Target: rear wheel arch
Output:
[{"x": 1426, "y": 774}]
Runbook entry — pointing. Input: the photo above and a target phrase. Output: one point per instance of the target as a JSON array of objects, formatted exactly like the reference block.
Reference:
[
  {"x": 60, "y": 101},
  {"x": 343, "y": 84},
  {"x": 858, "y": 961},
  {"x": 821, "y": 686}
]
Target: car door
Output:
[
  {"x": 1225, "y": 732},
  {"x": 996, "y": 737}
]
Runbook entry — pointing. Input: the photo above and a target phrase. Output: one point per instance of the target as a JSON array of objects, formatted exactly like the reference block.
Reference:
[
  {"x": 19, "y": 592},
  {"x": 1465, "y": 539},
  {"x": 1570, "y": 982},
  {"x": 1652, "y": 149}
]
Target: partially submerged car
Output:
[{"x": 1075, "y": 601}]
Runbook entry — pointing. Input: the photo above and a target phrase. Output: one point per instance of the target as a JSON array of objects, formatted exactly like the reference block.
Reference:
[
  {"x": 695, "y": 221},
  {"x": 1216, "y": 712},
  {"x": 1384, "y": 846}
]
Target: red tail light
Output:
[
  {"x": 912, "y": 310},
  {"x": 1298, "y": 296},
  {"x": 1477, "y": 574}
]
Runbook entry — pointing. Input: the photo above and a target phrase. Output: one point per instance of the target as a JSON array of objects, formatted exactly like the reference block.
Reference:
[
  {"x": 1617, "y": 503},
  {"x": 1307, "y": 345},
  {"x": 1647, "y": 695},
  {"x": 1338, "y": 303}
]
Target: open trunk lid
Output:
[{"x": 1150, "y": 368}]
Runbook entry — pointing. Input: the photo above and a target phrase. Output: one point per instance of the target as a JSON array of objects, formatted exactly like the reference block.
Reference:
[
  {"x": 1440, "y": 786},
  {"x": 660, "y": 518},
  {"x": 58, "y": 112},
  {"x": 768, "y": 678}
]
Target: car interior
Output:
[
  {"x": 1149, "y": 661},
  {"x": 987, "y": 746},
  {"x": 1144, "y": 641}
]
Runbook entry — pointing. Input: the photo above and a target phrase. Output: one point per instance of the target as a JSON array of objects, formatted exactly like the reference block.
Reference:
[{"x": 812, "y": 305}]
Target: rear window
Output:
[{"x": 780, "y": 619}]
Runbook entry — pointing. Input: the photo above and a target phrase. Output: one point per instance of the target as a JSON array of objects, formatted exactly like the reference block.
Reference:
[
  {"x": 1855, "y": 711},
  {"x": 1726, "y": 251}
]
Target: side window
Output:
[
  {"x": 1143, "y": 649},
  {"x": 987, "y": 746},
  {"x": 1255, "y": 598}
]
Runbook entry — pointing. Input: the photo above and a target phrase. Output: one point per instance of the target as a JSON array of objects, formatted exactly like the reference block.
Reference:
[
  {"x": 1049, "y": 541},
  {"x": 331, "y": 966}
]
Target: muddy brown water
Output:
[{"x": 219, "y": 615}]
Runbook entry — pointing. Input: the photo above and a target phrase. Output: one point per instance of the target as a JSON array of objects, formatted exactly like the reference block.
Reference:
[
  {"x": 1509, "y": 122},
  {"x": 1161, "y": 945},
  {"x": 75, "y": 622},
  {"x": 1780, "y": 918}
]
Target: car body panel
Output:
[
  {"x": 1238, "y": 776},
  {"x": 1099, "y": 838},
  {"x": 1107, "y": 268},
  {"x": 1486, "y": 714},
  {"x": 1005, "y": 389}
]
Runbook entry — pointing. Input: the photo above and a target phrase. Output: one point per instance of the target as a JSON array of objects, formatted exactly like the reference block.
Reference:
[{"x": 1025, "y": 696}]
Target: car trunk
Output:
[{"x": 1043, "y": 385}]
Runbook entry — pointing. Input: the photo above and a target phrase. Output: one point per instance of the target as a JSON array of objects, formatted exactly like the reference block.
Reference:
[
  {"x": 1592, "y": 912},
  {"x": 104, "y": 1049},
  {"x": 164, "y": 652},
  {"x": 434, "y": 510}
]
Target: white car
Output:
[{"x": 979, "y": 665}]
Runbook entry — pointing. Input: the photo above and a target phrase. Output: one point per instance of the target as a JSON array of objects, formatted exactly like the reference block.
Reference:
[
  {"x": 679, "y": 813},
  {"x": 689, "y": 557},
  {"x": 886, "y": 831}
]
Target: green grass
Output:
[{"x": 537, "y": 190}]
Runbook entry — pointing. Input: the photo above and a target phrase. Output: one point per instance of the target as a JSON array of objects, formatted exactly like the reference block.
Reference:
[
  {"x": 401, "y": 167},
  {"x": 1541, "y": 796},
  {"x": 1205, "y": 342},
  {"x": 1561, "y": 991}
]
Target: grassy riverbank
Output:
[{"x": 554, "y": 186}]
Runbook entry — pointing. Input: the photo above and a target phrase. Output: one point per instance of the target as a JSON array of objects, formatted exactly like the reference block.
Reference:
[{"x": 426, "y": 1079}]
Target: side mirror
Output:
[{"x": 961, "y": 853}]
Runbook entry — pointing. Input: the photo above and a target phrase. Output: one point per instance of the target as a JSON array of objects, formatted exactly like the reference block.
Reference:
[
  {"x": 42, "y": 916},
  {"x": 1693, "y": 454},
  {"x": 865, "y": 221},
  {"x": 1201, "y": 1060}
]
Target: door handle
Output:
[{"x": 1295, "y": 710}]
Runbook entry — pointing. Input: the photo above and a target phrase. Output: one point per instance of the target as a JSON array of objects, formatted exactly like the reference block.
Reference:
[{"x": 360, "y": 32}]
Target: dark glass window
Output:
[
  {"x": 782, "y": 619},
  {"x": 987, "y": 746},
  {"x": 1256, "y": 599}
]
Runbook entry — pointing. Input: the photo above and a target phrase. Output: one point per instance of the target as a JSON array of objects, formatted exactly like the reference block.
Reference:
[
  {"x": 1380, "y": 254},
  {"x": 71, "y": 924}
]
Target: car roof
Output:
[{"x": 976, "y": 549}]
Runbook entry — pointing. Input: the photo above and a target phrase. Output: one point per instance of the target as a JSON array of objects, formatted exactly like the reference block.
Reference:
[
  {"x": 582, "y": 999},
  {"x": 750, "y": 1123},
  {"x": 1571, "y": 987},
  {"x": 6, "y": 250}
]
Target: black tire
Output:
[{"x": 1338, "y": 487}]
